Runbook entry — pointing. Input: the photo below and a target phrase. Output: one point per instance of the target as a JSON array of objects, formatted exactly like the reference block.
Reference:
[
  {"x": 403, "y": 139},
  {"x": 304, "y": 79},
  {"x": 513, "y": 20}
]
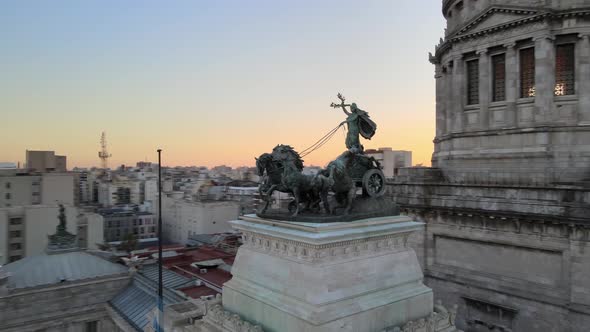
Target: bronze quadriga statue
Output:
[{"x": 333, "y": 188}]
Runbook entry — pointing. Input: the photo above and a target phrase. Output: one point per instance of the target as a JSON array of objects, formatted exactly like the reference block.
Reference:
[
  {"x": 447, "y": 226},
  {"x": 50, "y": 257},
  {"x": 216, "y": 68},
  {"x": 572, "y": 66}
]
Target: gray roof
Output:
[
  {"x": 140, "y": 298},
  {"x": 134, "y": 303},
  {"x": 55, "y": 268},
  {"x": 171, "y": 279}
]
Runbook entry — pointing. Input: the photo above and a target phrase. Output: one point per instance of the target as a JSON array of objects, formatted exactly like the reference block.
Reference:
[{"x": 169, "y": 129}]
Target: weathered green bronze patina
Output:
[
  {"x": 358, "y": 122},
  {"x": 281, "y": 171},
  {"x": 62, "y": 239}
]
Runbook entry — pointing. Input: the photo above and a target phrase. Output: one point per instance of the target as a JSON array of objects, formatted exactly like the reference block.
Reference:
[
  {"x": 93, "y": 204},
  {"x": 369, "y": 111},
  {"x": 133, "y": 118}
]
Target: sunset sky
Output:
[{"x": 212, "y": 82}]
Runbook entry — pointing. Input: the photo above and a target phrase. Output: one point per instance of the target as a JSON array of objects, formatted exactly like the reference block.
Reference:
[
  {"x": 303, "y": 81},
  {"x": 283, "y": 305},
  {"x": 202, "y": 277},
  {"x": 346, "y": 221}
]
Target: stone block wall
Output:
[
  {"x": 515, "y": 258},
  {"x": 61, "y": 307}
]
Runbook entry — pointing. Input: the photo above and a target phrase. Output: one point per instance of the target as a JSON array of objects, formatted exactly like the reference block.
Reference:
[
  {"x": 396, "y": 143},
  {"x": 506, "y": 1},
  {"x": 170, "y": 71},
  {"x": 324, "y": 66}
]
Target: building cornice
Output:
[
  {"x": 502, "y": 216},
  {"x": 509, "y": 131},
  {"x": 462, "y": 33}
]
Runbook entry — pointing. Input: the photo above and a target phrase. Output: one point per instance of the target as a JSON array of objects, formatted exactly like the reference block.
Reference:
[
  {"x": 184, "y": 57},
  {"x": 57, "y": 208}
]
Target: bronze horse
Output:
[{"x": 282, "y": 170}]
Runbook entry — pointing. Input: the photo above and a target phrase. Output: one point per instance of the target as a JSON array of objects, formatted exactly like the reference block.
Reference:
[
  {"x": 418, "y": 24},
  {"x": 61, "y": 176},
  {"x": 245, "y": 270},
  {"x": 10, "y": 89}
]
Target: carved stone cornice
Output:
[
  {"x": 545, "y": 36},
  {"x": 482, "y": 51},
  {"x": 492, "y": 10},
  {"x": 515, "y": 222},
  {"x": 510, "y": 45},
  {"x": 463, "y": 34},
  {"x": 325, "y": 253}
]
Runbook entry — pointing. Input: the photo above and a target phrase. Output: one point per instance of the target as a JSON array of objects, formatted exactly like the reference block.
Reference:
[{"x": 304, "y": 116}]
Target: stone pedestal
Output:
[{"x": 354, "y": 276}]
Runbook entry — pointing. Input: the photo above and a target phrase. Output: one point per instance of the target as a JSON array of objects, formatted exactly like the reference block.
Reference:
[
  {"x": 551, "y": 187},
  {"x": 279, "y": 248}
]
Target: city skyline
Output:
[{"x": 213, "y": 83}]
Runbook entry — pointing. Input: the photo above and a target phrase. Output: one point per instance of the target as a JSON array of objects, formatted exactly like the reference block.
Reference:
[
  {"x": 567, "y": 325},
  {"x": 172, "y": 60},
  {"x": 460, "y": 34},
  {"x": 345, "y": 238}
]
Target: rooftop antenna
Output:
[{"x": 103, "y": 153}]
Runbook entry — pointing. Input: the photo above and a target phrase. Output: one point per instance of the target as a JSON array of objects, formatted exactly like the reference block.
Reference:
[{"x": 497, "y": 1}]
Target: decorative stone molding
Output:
[
  {"x": 482, "y": 51},
  {"x": 515, "y": 27},
  {"x": 295, "y": 250},
  {"x": 543, "y": 37},
  {"x": 510, "y": 45},
  {"x": 492, "y": 10},
  {"x": 441, "y": 319},
  {"x": 492, "y": 39},
  {"x": 221, "y": 318},
  {"x": 545, "y": 226}
]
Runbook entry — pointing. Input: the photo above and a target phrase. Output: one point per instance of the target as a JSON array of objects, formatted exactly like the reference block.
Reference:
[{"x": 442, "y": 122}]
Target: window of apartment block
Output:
[
  {"x": 7, "y": 196},
  {"x": 15, "y": 234},
  {"x": 527, "y": 72},
  {"x": 15, "y": 258},
  {"x": 565, "y": 70},
  {"x": 15, "y": 246},
  {"x": 7, "y": 185},
  {"x": 472, "y": 82},
  {"x": 92, "y": 326},
  {"x": 16, "y": 221},
  {"x": 499, "y": 77}
]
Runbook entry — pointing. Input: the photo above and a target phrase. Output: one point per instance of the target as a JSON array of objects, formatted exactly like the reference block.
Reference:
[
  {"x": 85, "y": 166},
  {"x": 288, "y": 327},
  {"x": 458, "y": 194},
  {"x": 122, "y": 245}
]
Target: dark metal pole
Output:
[{"x": 160, "y": 283}]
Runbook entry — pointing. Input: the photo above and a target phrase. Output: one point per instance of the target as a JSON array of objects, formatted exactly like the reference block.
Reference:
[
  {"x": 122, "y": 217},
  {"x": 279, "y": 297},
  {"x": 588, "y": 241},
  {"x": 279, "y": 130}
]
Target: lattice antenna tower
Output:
[{"x": 103, "y": 153}]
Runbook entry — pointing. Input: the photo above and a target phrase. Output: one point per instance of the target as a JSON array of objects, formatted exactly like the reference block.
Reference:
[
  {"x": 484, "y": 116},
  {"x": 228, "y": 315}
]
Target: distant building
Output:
[
  {"x": 182, "y": 218},
  {"x": 45, "y": 161},
  {"x": 7, "y": 165},
  {"x": 119, "y": 193},
  {"x": 90, "y": 230},
  {"x": 18, "y": 189},
  {"x": 391, "y": 160},
  {"x": 120, "y": 222},
  {"x": 24, "y": 229}
]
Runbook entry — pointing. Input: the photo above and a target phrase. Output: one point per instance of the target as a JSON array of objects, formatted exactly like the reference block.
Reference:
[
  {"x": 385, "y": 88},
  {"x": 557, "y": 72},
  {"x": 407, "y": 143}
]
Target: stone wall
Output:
[
  {"x": 507, "y": 204},
  {"x": 545, "y": 134},
  {"x": 62, "y": 307},
  {"x": 512, "y": 257}
]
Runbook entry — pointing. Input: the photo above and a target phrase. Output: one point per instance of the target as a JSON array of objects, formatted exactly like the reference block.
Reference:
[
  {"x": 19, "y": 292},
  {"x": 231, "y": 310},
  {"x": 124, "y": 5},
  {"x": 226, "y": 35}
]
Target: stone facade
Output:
[
  {"x": 358, "y": 276},
  {"x": 507, "y": 201},
  {"x": 530, "y": 137},
  {"x": 77, "y": 306},
  {"x": 340, "y": 276}
]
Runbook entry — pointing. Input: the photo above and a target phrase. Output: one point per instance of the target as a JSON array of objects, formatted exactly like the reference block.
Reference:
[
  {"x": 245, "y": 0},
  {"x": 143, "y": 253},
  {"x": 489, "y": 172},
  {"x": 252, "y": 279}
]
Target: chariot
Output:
[{"x": 367, "y": 174}]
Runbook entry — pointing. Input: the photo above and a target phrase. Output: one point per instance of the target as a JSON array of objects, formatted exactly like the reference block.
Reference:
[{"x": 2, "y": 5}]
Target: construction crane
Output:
[{"x": 103, "y": 154}]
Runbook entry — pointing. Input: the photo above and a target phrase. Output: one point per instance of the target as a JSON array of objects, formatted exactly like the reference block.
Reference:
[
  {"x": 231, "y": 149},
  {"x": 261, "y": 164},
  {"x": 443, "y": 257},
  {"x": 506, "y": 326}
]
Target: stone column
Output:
[
  {"x": 458, "y": 94},
  {"x": 544, "y": 78},
  {"x": 484, "y": 88},
  {"x": 511, "y": 85},
  {"x": 583, "y": 79},
  {"x": 441, "y": 125}
]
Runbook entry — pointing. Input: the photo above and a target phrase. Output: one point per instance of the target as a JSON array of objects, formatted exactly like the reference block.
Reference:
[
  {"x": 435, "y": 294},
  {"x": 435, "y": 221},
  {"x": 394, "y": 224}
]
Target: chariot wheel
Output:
[{"x": 373, "y": 183}]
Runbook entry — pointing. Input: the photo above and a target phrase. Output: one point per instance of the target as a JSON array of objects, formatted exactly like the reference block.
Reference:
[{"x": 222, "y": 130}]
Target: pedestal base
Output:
[{"x": 358, "y": 276}]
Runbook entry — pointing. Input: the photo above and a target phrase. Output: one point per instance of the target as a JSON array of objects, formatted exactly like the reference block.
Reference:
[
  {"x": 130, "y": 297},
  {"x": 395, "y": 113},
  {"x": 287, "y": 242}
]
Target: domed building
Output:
[
  {"x": 513, "y": 91},
  {"x": 506, "y": 202}
]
